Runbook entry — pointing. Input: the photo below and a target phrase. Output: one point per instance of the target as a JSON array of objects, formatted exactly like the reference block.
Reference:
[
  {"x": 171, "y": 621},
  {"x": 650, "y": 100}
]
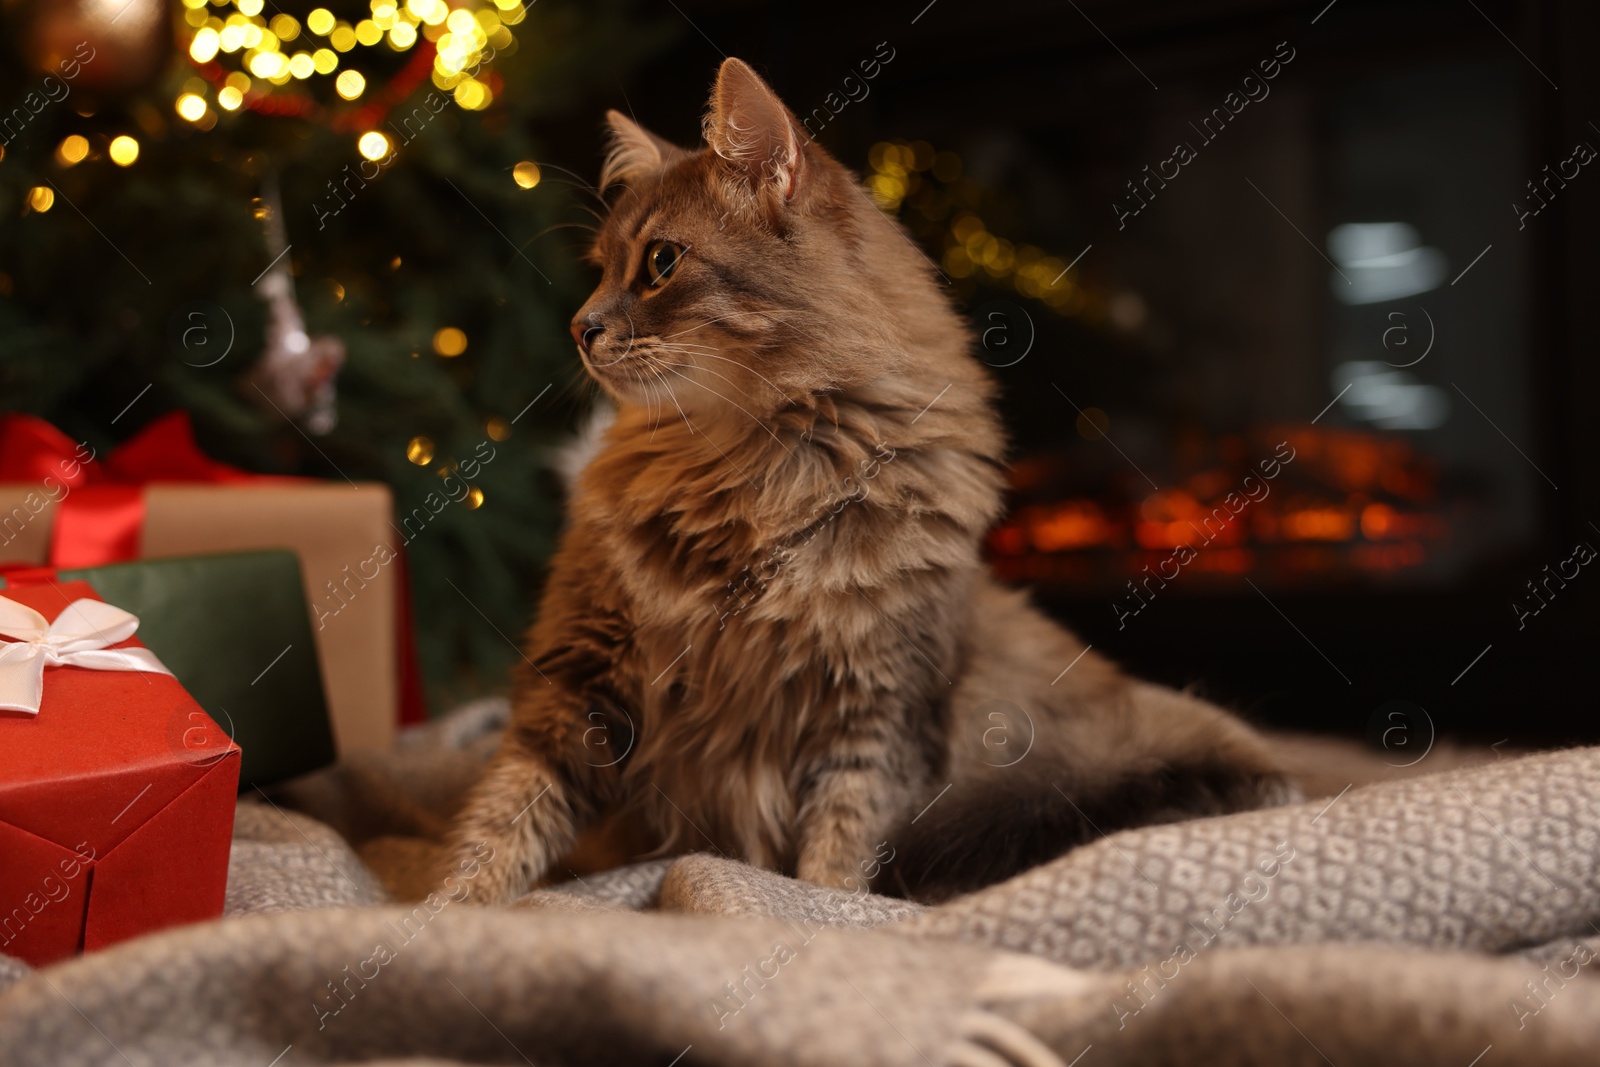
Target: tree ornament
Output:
[
  {"x": 296, "y": 371},
  {"x": 112, "y": 47}
]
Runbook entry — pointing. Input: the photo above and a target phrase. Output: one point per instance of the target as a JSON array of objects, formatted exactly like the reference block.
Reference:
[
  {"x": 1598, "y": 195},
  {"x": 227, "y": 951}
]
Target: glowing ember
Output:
[{"x": 1340, "y": 501}]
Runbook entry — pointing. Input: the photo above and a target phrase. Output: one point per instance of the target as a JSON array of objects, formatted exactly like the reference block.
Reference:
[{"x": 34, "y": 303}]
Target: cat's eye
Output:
[{"x": 660, "y": 260}]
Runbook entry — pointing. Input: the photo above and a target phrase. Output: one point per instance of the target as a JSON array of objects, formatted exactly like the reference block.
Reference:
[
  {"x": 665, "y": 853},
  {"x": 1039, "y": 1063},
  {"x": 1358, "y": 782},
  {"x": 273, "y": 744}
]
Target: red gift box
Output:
[{"x": 116, "y": 805}]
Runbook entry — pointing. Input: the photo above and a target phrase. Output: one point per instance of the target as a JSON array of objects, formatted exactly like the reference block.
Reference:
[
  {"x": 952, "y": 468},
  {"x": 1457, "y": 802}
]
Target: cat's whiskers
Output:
[
  {"x": 559, "y": 226},
  {"x": 577, "y": 379},
  {"x": 656, "y": 373},
  {"x": 656, "y": 413},
  {"x": 644, "y": 388},
  {"x": 715, "y": 354},
  {"x": 692, "y": 366},
  {"x": 661, "y": 406},
  {"x": 626, "y": 353},
  {"x": 728, "y": 400},
  {"x": 668, "y": 387},
  {"x": 740, "y": 389},
  {"x": 693, "y": 429},
  {"x": 575, "y": 180}
]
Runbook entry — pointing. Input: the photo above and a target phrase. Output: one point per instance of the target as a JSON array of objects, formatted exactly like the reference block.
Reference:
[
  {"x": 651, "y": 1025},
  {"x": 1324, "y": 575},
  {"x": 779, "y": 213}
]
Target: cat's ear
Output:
[
  {"x": 749, "y": 126},
  {"x": 634, "y": 150}
]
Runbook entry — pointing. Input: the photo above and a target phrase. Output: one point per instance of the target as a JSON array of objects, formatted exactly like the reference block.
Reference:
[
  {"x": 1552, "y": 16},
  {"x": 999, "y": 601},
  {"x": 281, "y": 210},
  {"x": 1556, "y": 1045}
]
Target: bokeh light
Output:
[
  {"x": 191, "y": 107},
  {"x": 73, "y": 149},
  {"x": 373, "y": 145},
  {"x": 526, "y": 174},
  {"x": 123, "y": 150},
  {"x": 419, "y": 450},
  {"x": 350, "y": 84},
  {"x": 449, "y": 342}
]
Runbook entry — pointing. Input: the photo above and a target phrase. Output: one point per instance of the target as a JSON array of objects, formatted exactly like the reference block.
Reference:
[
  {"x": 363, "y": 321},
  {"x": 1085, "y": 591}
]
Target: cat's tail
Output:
[
  {"x": 997, "y": 826},
  {"x": 981, "y": 833}
]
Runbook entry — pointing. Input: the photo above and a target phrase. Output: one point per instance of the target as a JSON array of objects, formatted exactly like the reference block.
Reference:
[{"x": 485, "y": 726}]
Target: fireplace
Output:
[{"x": 1323, "y": 508}]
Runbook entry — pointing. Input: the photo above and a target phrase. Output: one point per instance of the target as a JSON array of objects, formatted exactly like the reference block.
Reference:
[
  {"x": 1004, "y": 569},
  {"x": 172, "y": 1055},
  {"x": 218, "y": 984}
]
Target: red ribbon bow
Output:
[{"x": 103, "y": 507}]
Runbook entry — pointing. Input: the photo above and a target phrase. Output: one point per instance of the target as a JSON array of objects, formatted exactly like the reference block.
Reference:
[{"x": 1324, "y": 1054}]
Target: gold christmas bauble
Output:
[{"x": 102, "y": 47}]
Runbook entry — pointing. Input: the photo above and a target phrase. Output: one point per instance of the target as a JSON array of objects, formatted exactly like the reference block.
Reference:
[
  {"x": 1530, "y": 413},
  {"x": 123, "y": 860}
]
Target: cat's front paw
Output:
[
  {"x": 479, "y": 874},
  {"x": 841, "y": 868},
  {"x": 833, "y": 871}
]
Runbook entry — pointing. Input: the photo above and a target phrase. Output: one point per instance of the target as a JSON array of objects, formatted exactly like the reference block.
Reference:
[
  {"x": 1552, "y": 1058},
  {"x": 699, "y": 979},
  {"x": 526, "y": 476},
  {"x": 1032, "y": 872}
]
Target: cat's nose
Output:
[{"x": 585, "y": 329}]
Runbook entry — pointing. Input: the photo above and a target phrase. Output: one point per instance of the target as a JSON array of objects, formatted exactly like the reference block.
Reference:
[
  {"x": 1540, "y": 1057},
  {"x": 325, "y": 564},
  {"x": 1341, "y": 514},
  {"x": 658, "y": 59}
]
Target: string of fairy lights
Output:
[
  {"x": 912, "y": 176},
  {"x": 249, "y": 61},
  {"x": 256, "y": 55}
]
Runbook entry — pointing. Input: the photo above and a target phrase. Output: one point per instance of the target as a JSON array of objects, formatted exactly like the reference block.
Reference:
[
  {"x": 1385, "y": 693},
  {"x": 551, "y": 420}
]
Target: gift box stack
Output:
[
  {"x": 158, "y": 496},
  {"x": 275, "y": 638}
]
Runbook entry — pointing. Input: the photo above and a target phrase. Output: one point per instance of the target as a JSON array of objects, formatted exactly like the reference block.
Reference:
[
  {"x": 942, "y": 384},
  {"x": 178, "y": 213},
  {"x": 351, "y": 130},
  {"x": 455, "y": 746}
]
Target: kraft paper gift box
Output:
[
  {"x": 167, "y": 499},
  {"x": 235, "y": 630},
  {"x": 117, "y": 798}
]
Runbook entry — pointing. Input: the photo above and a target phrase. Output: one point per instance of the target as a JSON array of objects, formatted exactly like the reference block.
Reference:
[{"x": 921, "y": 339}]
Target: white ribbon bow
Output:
[{"x": 80, "y": 637}]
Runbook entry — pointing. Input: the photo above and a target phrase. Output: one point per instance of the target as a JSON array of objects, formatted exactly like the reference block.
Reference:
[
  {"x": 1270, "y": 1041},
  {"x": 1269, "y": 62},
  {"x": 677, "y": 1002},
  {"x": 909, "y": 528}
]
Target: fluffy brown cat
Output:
[{"x": 768, "y": 630}]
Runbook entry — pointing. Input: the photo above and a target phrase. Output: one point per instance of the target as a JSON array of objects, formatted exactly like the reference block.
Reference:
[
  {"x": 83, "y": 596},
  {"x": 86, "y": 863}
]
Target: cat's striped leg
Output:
[
  {"x": 538, "y": 793},
  {"x": 518, "y": 820},
  {"x": 856, "y": 793}
]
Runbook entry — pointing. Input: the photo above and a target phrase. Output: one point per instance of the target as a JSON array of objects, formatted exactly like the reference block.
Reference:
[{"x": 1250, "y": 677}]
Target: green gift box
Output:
[{"x": 235, "y": 630}]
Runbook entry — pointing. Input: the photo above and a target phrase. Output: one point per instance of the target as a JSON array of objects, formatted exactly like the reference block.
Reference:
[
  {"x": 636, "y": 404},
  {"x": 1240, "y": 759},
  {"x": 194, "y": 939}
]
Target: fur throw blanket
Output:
[{"x": 1443, "y": 919}]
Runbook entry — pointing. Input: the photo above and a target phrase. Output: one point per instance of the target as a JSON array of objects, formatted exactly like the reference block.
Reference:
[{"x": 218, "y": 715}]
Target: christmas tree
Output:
[{"x": 332, "y": 237}]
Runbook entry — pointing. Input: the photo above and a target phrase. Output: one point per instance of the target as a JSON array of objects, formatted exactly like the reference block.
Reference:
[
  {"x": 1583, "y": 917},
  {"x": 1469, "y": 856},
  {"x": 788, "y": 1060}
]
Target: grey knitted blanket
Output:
[{"x": 1443, "y": 919}]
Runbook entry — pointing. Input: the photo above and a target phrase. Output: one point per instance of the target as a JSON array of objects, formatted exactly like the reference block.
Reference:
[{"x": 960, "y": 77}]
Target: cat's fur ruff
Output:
[{"x": 768, "y": 630}]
